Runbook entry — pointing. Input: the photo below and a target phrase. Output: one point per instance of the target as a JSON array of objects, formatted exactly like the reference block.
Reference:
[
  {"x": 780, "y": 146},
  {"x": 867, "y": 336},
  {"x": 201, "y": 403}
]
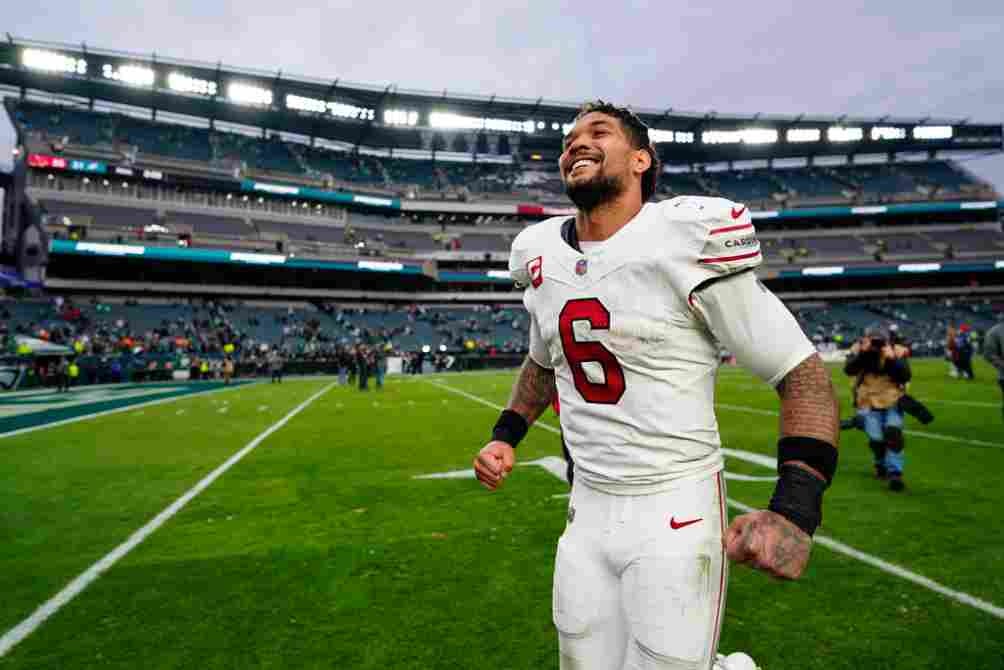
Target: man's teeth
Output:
[{"x": 582, "y": 161}]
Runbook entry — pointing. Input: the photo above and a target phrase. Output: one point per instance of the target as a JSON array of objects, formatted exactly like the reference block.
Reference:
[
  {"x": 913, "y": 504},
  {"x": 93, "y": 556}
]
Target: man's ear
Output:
[{"x": 642, "y": 161}]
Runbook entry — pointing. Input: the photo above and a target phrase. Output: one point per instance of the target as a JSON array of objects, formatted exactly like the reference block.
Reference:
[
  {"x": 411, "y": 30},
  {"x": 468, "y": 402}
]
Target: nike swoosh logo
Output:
[
  {"x": 736, "y": 213},
  {"x": 677, "y": 525}
]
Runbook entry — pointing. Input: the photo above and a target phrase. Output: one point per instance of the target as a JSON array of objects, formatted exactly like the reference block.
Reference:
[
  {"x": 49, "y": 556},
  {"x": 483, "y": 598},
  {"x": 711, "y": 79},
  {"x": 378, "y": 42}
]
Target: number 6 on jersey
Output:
[{"x": 610, "y": 390}]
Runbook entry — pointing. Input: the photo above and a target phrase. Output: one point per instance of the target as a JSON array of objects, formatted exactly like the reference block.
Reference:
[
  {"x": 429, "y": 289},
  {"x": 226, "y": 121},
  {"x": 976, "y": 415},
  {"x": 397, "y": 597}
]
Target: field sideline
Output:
[{"x": 320, "y": 548}]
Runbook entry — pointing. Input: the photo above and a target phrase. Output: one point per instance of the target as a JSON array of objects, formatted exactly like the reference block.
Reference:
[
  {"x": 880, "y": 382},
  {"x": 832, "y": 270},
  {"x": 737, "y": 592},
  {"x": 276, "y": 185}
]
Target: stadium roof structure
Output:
[{"x": 356, "y": 115}]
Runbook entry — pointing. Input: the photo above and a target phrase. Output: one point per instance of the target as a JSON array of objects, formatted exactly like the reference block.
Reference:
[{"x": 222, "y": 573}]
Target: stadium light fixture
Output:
[
  {"x": 888, "y": 133},
  {"x": 400, "y": 117},
  {"x": 451, "y": 121},
  {"x": 248, "y": 94},
  {"x": 660, "y": 136},
  {"x": 845, "y": 134},
  {"x": 133, "y": 75},
  {"x": 182, "y": 83},
  {"x": 933, "y": 132},
  {"x": 742, "y": 135},
  {"x": 52, "y": 61},
  {"x": 800, "y": 135}
]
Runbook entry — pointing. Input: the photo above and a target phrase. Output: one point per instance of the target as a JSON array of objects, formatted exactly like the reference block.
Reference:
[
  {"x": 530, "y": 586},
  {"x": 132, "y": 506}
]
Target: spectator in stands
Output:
[
  {"x": 993, "y": 350},
  {"x": 881, "y": 371}
]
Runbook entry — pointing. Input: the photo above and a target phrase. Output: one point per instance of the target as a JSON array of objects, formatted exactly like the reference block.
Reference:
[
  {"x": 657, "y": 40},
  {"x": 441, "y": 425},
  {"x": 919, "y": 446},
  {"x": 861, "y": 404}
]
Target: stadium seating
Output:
[{"x": 807, "y": 185}]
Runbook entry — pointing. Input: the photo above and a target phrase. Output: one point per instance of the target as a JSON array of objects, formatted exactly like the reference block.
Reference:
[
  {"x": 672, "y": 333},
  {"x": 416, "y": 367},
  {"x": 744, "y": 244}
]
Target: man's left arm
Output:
[{"x": 752, "y": 323}]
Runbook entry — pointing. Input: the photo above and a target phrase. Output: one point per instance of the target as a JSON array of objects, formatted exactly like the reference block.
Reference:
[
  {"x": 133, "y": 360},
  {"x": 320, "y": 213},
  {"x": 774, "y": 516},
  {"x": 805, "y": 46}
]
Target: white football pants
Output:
[{"x": 639, "y": 581}]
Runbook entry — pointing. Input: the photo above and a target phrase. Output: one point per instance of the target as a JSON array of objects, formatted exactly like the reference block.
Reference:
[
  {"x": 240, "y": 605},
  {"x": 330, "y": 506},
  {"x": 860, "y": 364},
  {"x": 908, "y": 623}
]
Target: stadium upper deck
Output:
[{"x": 354, "y": 116}]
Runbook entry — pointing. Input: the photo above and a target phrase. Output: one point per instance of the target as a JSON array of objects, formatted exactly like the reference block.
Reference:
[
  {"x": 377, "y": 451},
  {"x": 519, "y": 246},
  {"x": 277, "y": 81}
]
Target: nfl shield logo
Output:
[{"x": 581, "y": 267}]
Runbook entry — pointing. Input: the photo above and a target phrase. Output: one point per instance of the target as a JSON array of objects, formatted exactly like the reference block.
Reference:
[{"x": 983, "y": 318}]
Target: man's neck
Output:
[{"x": 603, "y": 221}]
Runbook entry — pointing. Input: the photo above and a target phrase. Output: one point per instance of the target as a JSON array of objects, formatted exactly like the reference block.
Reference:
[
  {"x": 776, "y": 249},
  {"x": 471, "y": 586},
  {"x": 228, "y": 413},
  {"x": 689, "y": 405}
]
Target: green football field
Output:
[{"x": 318, "y": 547}]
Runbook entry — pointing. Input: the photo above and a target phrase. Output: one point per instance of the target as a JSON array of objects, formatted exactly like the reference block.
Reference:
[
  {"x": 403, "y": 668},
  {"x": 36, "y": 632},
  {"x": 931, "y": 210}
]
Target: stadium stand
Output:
[{"x": 65, "y": 127}]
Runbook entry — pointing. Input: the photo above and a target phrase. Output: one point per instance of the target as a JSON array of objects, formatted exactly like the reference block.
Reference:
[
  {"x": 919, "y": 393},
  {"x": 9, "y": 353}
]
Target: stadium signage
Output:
[
  {"x": 823, "y": 271},
  {"x": 919, "y": 267},
  {"x": 60, "y": 163},
  {"x": 380, "y": 266},
  {"x": 111, "y": 249},
  {"x": 257, "y": 259},
  {"x": 276, "y": 188},
  {"x": 319, "y": 194}
]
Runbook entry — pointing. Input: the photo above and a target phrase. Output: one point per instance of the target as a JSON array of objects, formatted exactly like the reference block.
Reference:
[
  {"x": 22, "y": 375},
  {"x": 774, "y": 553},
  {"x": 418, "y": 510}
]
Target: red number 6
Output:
[{"x": 592, "y": 310}]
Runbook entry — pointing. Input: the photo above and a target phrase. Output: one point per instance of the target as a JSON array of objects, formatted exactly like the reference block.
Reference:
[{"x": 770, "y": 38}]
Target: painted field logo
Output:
[{"x": 28, "y": 409}]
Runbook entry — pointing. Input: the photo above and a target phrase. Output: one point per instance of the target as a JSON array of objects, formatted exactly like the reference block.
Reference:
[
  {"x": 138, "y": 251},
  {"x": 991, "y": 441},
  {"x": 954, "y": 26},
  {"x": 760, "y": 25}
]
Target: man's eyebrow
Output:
[{"x": 594, "y": 122}]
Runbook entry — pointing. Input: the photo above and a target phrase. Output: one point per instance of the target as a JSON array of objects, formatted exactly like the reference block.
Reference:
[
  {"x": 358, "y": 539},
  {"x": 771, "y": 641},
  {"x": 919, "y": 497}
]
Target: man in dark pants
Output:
[{"x": 993, "y": 350}]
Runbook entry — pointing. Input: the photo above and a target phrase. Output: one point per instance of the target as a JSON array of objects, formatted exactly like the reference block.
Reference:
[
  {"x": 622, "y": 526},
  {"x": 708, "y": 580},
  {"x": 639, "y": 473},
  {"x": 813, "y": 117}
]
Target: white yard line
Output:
[
  {"x": 915, "y": 433},
  {"x": 964, "y": 403},
  {"x": 829, "y": 543},
  {"x": 126, "y": 408},
  {"x": 84, "y": 579}
]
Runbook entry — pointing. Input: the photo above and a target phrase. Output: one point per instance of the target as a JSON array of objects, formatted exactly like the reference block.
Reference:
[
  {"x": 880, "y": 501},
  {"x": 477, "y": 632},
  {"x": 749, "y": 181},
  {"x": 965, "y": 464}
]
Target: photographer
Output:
[{"x": 882, "y": 370}]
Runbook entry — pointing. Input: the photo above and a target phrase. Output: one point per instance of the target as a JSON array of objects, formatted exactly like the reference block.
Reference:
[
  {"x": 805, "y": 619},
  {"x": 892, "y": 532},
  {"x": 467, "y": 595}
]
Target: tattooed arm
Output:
[
  {"x": 766, "y": 540},
  {"x": 753, "y": 324},
  {"x": 809, "y": 406},
  {"x": 532, "y": 393}
]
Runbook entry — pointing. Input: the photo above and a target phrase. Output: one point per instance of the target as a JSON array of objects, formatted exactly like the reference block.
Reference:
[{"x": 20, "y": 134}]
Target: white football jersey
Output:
[{"x": 634, "y": 362}]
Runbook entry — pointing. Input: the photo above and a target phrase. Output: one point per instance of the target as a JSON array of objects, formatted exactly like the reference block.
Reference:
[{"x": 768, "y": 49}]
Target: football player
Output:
[{"x": 629, "y": 303}]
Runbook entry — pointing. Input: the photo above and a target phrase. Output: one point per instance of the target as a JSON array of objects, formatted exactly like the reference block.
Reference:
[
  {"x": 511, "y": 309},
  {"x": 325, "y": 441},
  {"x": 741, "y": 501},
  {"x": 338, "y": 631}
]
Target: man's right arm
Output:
[
  {"x": 531, "y": 395},
  {"x": 533, "y": 391}
]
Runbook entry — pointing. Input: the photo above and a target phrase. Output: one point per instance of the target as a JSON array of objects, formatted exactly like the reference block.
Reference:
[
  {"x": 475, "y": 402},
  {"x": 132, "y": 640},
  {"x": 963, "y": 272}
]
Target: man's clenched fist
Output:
[
  {"x": 766, "y": 541},
  {"x": 493, "y": 463}
]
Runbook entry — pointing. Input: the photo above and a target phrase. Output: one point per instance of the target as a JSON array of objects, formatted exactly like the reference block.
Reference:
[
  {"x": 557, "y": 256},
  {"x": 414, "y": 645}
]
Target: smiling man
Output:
[{"x": 629, "y": 303}]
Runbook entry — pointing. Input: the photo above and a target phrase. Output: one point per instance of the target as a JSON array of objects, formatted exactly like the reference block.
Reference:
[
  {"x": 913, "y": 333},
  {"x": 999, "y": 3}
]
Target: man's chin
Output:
[{"x": 589, "y": 194}]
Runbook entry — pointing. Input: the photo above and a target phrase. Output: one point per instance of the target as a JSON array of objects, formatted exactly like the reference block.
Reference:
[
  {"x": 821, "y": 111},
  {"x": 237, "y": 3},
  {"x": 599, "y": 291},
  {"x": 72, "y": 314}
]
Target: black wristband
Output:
[
  {"x": 510, "y": 428},
  {"x": 817, "y": 454},
  {"x": 798, "y": 497}
]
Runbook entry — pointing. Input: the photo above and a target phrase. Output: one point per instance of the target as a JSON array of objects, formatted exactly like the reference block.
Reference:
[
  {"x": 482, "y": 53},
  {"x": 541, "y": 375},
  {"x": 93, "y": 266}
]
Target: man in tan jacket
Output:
[{"x": 882, "y": 371}]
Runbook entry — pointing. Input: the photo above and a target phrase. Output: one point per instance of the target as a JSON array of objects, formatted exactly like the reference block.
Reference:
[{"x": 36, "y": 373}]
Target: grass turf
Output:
[{"x": 319, "y": 549}]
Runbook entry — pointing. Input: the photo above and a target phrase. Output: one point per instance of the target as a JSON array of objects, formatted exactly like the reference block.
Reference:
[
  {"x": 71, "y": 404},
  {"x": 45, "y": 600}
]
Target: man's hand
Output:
[
  {"x": 493, "y": 463},
  {"x": 766, "y": 541}
]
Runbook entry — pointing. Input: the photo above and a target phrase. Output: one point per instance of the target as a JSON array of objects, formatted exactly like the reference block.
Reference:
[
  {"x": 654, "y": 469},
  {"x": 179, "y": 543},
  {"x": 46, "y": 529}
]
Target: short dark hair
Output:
[{"x": 637, "y": 134}]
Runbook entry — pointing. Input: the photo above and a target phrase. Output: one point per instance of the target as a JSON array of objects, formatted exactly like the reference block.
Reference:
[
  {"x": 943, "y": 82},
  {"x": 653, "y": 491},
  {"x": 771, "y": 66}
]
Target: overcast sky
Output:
[{"x": 872, "y": 58}]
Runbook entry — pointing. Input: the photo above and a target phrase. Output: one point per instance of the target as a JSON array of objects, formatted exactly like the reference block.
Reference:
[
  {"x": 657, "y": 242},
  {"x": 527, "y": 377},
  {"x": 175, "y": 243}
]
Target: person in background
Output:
[
  {"x": 228, "y": 369},
  {"x": 275, "y": 365},
  {"x": 882, "y": 371},
  {"x": 964, "y": 349},
  {"x": 72, "y": 372},
  {"x": 62, "y": 375},
  {"x": 364, "y": 363},
  {"x": 951, "y": 352},
  {"x": 993, "y": 351},
  {"x": 380, "y": 366}
]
